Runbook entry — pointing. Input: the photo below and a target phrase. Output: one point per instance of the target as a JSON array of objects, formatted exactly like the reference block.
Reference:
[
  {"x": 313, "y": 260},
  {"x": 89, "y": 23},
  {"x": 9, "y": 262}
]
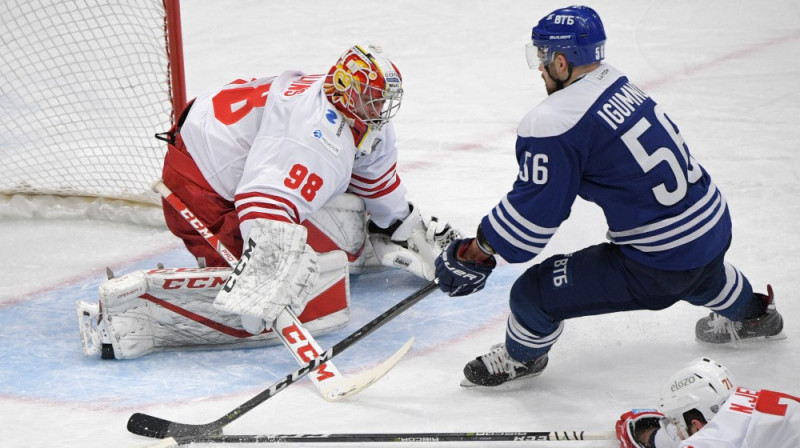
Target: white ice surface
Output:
[{"x": 725, "y": 71}]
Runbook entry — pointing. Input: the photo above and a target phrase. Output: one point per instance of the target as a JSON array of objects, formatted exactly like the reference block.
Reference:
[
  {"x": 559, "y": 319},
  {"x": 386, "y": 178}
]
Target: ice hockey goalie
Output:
[{"x": 173, "y": 309}]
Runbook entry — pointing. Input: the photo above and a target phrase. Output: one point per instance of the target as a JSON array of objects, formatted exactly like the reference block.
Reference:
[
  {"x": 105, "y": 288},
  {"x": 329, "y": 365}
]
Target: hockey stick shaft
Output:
[
  {"x": 146, "y": 425},
  {"x": 286, "y": 323},
  {"x": 399, "y": 437}
]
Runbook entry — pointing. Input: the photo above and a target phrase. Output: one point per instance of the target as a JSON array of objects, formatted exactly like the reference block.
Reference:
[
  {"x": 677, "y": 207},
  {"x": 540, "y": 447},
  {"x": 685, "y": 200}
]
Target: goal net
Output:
[{"x": 85, "y": 86}]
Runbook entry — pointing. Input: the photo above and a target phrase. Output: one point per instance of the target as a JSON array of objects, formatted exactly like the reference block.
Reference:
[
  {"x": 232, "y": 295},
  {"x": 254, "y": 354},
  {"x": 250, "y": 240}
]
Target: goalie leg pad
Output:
[{"x": 172, "y": 309}]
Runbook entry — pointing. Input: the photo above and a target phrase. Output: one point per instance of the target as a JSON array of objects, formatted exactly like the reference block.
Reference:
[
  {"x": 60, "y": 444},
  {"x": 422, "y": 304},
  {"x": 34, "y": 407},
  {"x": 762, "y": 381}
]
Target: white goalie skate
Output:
[{"x": 94, "y": 335}]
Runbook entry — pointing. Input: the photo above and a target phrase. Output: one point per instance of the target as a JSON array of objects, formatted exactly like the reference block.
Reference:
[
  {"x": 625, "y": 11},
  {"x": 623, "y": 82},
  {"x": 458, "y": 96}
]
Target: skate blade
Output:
[
  {"x": 467, "y": 384},
  {"x": 749, "y": 341},
  {"x": 777, "y": 337}
]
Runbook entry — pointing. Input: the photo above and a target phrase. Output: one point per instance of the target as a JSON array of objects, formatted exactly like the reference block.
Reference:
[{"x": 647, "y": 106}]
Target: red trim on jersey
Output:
[
  {"x": 245, "y": 211},
  {"x": 260, "y": 215},
  {"x": 389, "y": 172},
  {"x": 377, "y": 188},
  {"x": 382, "y": 193},
  {"x": 266, "y": 201}
]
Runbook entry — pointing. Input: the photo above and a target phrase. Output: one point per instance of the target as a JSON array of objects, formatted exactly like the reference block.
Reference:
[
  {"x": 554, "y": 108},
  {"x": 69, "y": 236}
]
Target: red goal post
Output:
[{"x": 85, "y": 86}]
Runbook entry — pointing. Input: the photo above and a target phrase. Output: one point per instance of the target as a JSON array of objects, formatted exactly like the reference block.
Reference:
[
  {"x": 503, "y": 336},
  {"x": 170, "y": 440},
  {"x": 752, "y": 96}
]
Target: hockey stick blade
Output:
[
  {"x": 435, "y": 437},
  {"x": 150, "y": 426},
  {"x": 348, "y": 386}
]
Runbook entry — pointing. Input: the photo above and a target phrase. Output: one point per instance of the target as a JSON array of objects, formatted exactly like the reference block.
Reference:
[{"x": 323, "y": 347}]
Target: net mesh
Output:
[{"x": 85, "y": 85}]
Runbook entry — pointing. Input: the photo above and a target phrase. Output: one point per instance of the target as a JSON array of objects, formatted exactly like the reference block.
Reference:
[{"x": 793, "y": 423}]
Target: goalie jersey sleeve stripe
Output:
[
  {"x": 375, "y": 188},
  {"x": 607, "y": 142},
  {"x": 374, "y": 179},
  {"x": 259, "y": 205}
]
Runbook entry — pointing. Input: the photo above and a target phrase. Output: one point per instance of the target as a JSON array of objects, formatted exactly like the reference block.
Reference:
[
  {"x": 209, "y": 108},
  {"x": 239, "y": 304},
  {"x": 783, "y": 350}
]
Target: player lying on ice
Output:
[
  {"x": 303, "y": 169},
  {"x": 599, "y": 136},
  {"x": 702, "y": 406}
]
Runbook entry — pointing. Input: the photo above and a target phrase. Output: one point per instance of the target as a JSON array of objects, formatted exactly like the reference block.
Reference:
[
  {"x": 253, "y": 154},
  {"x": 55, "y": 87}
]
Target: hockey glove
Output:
[
  {"x": 413, "y": 243},
  {"x": 637, "y": 428},
  {"x": 458, "y": 277}
]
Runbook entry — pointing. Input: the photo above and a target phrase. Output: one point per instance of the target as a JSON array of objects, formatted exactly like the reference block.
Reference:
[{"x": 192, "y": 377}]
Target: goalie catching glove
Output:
[
  {"x": 413, "y": 243},
  {"x": 277, "y": 270}
]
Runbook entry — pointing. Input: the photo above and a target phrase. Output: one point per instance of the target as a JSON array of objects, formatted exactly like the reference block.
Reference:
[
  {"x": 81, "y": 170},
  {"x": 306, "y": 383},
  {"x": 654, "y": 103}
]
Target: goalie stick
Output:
[
  {"x": 149, "y": 426},
  {"x": 392, "y": 437},
  {"x": 331, "y": 383}
]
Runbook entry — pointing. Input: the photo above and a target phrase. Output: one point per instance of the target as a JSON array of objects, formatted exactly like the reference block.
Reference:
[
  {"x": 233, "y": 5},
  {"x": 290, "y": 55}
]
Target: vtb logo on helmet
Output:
[
  {"x": 366, "y": 87},
  {"x": 577, "y": 32}
]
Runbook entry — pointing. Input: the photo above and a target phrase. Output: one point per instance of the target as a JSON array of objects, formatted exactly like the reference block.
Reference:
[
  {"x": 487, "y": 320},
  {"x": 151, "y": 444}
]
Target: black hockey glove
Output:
[{"x": 461, "y": 277}]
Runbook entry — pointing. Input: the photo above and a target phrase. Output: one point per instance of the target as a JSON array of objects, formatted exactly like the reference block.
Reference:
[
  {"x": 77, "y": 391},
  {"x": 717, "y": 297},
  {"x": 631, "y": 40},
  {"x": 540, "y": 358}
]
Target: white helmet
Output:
[{"x": 702, "y": 384}]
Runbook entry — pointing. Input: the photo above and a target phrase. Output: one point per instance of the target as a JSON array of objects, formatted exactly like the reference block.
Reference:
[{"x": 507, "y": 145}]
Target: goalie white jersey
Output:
[{"x": 279, "y": 150}]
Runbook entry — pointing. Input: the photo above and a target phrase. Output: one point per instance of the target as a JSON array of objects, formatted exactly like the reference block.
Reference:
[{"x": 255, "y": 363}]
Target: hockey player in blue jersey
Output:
[{"x": 599, "y": 136}]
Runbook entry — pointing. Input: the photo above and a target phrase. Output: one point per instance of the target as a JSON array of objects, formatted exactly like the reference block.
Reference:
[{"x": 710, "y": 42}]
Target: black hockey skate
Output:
[
  {"x": 716, "y": 329},
  {"x": 497, "y": 367}
]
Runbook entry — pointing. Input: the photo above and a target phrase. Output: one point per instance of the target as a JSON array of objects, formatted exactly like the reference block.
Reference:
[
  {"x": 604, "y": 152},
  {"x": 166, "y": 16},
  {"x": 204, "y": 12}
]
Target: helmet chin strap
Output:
[
  {"x": 365, "y": 138},
  {"x": 559, "y": 83}
]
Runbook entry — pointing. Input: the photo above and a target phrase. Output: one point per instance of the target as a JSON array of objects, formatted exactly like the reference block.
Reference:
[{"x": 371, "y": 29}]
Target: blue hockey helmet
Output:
[{"x": 575, "y": 31}]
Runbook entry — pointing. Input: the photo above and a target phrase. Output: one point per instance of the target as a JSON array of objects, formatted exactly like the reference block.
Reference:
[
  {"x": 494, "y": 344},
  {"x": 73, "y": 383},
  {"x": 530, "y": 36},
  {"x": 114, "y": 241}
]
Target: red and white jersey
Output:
[
  {"x": 752, "y": 419},
  {"x": 279, "y": 150}
]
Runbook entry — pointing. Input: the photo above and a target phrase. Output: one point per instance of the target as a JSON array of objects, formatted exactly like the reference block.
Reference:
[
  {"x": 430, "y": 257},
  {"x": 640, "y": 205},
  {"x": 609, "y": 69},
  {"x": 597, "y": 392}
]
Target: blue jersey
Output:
[{"x": 605, "y": 140}]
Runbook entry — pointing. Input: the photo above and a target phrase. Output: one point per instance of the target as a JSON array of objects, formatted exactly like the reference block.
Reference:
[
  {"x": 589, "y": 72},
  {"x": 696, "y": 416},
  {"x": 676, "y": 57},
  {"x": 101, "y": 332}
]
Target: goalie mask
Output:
[
  {"x": 366, "y": 88},
  {"x": 702, "y": 384}
]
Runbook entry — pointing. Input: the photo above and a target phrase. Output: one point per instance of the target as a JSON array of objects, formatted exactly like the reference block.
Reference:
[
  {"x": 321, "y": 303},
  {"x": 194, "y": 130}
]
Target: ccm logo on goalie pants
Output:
[
  {"x": 307, "y": 353},
  {"x": 237, "y": 271},
  {"x": 193, "y": 283}
]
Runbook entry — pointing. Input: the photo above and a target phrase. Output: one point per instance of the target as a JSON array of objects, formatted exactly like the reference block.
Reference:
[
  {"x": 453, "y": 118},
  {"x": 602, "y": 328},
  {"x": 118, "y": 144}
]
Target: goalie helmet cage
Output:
[{"x": 86, "y": 84}]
